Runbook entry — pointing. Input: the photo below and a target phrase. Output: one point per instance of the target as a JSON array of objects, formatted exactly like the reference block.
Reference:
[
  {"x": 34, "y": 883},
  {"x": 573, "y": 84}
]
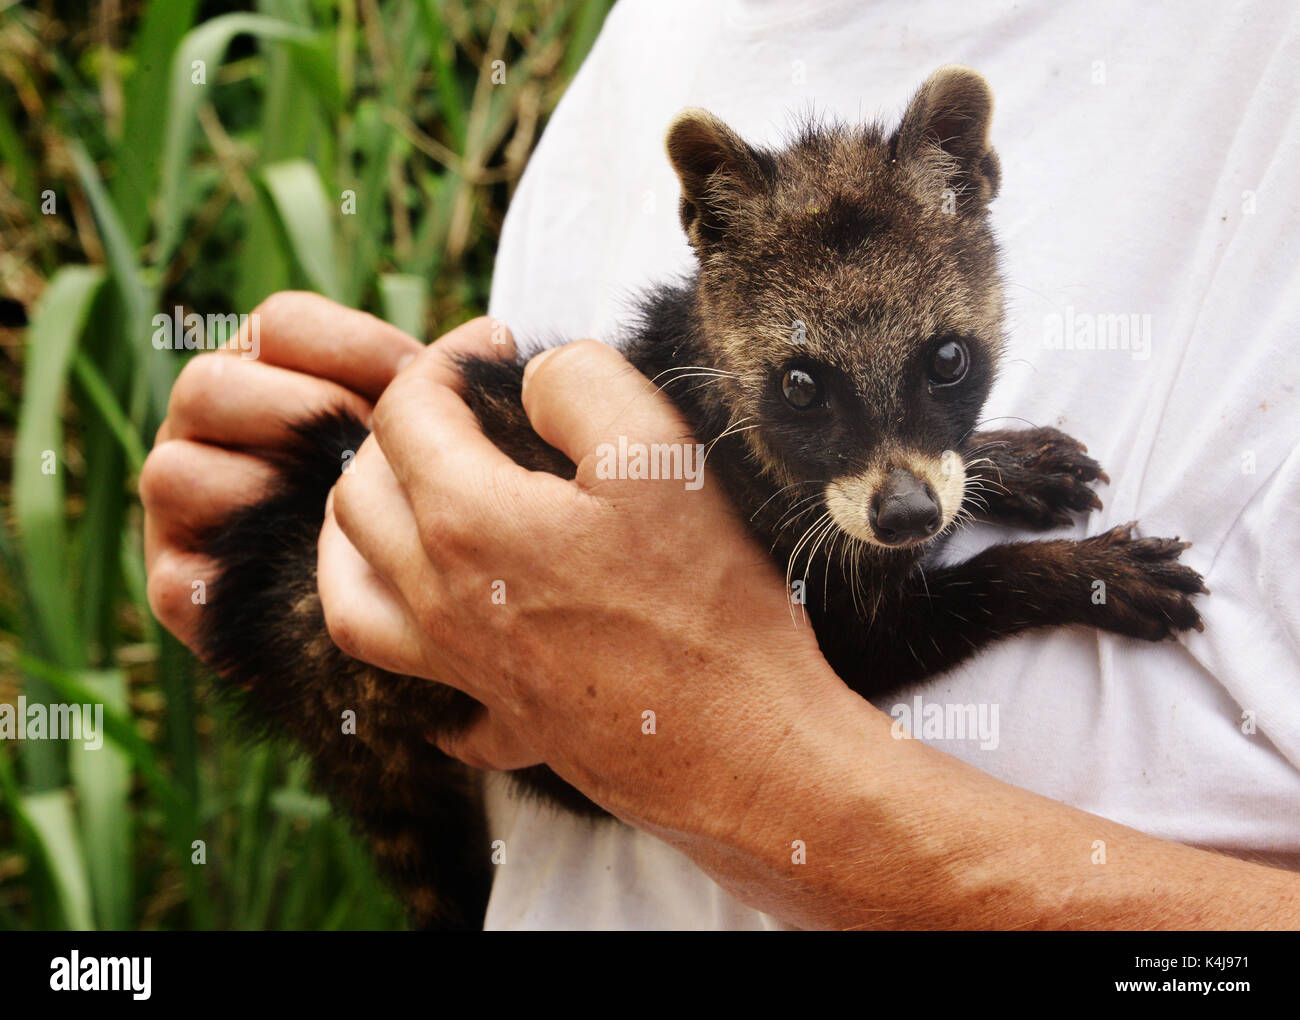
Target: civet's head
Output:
[{"x": 850, "y": 286}]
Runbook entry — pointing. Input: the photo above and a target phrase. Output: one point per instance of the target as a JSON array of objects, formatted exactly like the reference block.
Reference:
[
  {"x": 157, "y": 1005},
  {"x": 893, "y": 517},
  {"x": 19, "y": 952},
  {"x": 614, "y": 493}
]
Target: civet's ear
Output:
[
  {"x": 949, "y": 116},
  {"x": 717, "y": 171}
]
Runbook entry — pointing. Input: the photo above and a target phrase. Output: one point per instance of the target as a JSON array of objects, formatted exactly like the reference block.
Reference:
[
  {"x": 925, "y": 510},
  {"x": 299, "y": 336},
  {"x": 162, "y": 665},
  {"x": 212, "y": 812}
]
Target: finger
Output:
[
  {"x": 584, "y": 394},
  {"x": 310, "y": 334},
  {"x": 438, "y": 364},
  {"x": 247, "y": 404},
  {"x": 176, "y": 591},
  {"x": 488, "y": 744},
  {"x": 367, "y": 618},
  {"x": 188, "y": 488},
  {"x": 484, "y": 338},
  {"x": 373, "y": 513},
  {"x": 431, "y": 437}
]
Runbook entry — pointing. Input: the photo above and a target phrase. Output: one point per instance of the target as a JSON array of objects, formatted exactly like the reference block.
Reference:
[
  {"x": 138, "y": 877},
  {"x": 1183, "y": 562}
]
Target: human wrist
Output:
[
  {"x": 824, "y": 827},
  {"x": 758, "y": 822}
]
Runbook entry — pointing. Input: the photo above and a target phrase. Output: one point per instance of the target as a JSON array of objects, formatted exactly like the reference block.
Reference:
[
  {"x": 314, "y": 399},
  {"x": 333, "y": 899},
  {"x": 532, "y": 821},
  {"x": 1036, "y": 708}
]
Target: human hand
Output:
[
  {"x": 227, "y": 413},
  {"x": 615, "y": 597},
  {"x": 623, "y": 597}
]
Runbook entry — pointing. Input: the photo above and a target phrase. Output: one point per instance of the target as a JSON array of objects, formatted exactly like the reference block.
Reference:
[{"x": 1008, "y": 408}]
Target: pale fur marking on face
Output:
[{"x": 849, "y": 499}]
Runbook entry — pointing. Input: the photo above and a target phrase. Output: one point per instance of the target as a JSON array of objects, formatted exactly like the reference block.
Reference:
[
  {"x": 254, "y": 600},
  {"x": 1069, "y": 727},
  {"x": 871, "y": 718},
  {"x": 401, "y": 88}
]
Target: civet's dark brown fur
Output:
[{"x": 852, "y": 252}]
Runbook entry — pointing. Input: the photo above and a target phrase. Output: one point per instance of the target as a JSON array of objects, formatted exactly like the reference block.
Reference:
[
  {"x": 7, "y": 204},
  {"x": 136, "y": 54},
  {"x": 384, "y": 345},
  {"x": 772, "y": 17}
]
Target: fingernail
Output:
[
  {"x": 534, "y": 362},
  {"x": 404, "y": 360}
]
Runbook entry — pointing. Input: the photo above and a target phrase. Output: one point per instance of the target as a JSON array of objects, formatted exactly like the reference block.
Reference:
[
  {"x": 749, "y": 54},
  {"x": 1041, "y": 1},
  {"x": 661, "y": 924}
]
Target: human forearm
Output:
[
  {"x": 900, "y": 835},
  {"x": 632, "y": 597}
]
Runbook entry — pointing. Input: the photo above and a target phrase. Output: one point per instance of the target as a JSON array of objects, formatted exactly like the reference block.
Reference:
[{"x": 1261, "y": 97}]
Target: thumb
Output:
[
  {"x": 487, "y": 744},
  {"x": 586, "y": 394}
]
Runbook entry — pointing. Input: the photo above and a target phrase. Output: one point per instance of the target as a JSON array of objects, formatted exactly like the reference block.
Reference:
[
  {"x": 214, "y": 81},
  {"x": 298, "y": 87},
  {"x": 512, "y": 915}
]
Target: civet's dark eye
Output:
[
  {"x": 802, "y": 390},
  {"x": 949, "y": 363}
]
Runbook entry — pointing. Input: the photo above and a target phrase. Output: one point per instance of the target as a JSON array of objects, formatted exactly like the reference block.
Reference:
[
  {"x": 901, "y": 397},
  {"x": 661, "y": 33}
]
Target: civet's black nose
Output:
[{"x": 904, "y": 509}]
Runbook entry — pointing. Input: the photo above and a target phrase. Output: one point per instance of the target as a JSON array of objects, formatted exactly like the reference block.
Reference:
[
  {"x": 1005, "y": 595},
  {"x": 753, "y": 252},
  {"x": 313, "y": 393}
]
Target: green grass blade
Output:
[
  {"x": 154, "y": 372},
  {"x": 39, "y": 489},
  {"x": 292, "y": 123},
  {"x": 101, "y": 396},
  {"x": 451, "y": 101},
  {"x": 152, "y": 172},
  {"x": 162, "y": 27},
  {"x": 55, "y": 828},
  {"x": 372, "y": 143},
  {"x": 101, "y": 777},
  {"x": 71, "y": 688},
  {"x": 405, "y": 301},
  {"x": 15, "y": 161},
  {"x": 204, "y": 47},
  {"x": 250, "y": 836},
  {"x": 586, "y": 27},
  {"x": 307, "y": 218}
]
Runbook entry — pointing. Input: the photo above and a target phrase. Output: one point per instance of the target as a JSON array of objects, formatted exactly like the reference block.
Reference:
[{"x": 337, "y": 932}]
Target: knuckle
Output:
[
  {"x": 440, "y": 538},
  {"x": 358, "y": 471},
  {"x": 432, "y": 607},
  {"x": 431, "y": 620},
  {"x": 383, "y": 415},
  {"x": 167, "y": 592},
  {"x": 158, "y": 476},
  {"x": 346, "y": 499},
  {"x": 195, "y": 385},
  {"x": 280, "y": 308},
  {"x": 153, "y": 474},
  {"x": 342, "y": 626}
]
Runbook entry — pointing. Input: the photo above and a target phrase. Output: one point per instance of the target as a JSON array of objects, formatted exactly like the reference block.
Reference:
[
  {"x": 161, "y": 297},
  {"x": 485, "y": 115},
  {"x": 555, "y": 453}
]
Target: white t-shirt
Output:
[{"x": 1151, "y": 170}]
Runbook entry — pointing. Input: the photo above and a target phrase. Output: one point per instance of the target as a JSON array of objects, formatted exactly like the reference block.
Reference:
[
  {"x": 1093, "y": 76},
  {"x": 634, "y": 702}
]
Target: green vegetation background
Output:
[{"x": 127, "y": 188}]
